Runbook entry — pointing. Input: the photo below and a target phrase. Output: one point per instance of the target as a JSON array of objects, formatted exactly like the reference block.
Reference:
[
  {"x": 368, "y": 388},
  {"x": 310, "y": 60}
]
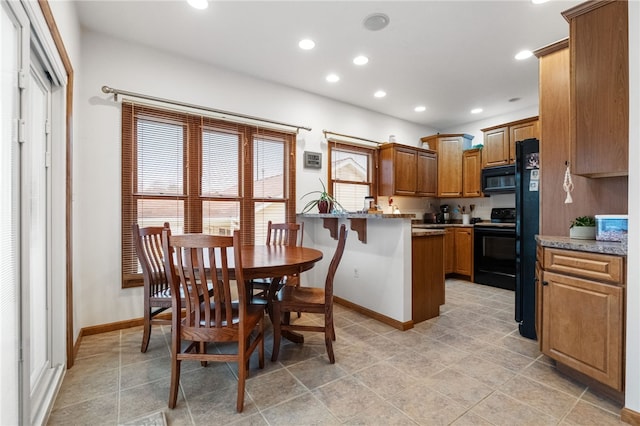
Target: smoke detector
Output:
[{"x": 376, "y": 21}]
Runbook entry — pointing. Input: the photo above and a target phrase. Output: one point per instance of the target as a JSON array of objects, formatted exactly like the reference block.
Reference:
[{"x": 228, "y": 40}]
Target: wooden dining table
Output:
[{"x": 275, "y": 262}]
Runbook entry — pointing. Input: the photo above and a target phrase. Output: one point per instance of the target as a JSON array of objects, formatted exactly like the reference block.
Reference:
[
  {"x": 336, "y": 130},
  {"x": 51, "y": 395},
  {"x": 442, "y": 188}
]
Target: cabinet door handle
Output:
[{"x": 545, "y": 282}]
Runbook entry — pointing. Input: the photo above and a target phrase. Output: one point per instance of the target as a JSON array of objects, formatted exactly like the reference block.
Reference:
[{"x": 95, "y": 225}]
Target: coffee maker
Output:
[{"x": 444, "y": 216}]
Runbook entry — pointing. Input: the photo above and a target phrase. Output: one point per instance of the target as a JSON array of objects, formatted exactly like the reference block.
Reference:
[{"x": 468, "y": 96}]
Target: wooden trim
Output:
[
  {"x": 627, "y": 415},
  {"x": 375, "y": 315},
  {"x": 583, "y": 8},
  {"x": 62, "y": 51},
  {"x": 553, "y": 47},
  {"x": 512, "y": 123}
]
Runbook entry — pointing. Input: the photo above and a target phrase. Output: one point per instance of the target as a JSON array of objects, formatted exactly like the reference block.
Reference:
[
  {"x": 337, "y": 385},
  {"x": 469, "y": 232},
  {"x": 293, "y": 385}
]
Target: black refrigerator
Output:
[{"x": 527, "y": 226}]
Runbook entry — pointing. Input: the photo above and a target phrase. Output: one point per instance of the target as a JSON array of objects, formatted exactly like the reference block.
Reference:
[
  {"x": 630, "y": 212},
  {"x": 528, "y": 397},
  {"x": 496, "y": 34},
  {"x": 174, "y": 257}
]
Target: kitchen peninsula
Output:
[{"x": 377, "y": 276}]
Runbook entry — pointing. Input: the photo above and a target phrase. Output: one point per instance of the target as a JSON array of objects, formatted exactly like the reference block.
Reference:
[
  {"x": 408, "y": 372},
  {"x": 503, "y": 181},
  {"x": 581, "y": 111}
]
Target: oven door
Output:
[{"x": 495, "y": 256}]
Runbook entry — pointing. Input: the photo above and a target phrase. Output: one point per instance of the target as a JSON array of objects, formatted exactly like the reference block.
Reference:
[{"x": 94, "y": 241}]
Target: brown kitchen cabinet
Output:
[
  {"x": 458, "y": 258},
  {"x": 598, "y": 45},
  {"x": 427, "y": 170},
  {"x": 582, "y": 308},
  {"x": 449, "y": 148},
  {"x": 500, "y": 141},
  {"x": 590, "y": 196},
  {"x": 427, "y": 279},
  {"x": 406, "y": 170},
  {"x": 471, "y": 169}
]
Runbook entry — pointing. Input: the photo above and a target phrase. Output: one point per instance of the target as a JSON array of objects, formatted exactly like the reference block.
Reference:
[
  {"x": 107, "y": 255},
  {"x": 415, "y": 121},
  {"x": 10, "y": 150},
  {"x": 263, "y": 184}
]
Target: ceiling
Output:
[{"x": 450, "y": 56}]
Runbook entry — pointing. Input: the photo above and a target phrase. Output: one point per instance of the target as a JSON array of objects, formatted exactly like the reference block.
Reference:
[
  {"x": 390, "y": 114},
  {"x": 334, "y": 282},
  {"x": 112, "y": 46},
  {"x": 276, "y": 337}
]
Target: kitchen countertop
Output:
[
  {"x": 424, "y": 232},
  {"x": 360, "y": 215},
  {"x": 439, "y": 225},
  {"x": 593, "y": 246}
]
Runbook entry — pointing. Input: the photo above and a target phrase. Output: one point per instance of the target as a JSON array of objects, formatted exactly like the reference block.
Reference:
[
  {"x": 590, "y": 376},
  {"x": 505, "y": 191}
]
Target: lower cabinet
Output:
[
  {"x": 427, "y": 278},
  {"x": 581, "y": 300},
  {"x": 459, "y": 251}
]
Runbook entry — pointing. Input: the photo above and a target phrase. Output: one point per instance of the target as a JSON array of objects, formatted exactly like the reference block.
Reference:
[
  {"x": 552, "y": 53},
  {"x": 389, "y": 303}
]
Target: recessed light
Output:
[
  {"x": 376, "y": 21},
  {"x": 332, "y": 78},
  {"x": 523, "y": 54},
  {"x": 380, "y": 94},
  {"x": 420, "y": 108},
  {"x": 360, "y": 60},
  {"x": 198, "y": 4},
  {"x": 306, "y": 44},
  {"x": 476, "y": 111},
  {"x": 539, "y": 1}
]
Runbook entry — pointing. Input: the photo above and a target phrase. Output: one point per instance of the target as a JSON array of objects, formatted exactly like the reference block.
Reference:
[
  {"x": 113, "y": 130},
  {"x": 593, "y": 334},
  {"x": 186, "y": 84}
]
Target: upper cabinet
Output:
[
  {"x": 500, "y": 141},
  {"x": 427, "y": 170},
  {"x": 407, "y": 170},
  {"x": 598, "y": 44},
  {"x": 449, "y": 148},
  {"x": 471, "y": 169}
]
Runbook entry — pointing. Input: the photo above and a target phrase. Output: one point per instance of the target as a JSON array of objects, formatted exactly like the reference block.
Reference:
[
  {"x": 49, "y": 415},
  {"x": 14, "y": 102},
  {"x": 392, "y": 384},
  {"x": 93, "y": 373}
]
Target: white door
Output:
[
  {"x": 14, "y": 45},
  {"x": 31, "y": 360},
  {"x": 36, "y": 283}
]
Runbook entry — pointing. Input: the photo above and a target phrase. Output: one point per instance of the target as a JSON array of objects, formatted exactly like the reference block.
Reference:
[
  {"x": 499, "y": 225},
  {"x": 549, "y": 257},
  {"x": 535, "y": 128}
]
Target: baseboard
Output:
[
  {"x": 112, "y": 326},
  {"x": 629, "y": 416},
  {"x": 375, "y": 315}
]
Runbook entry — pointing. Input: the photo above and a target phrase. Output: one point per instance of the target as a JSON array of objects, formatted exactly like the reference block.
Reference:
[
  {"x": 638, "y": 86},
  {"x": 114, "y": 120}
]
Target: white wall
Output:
[{"x": 98, "y": 297}]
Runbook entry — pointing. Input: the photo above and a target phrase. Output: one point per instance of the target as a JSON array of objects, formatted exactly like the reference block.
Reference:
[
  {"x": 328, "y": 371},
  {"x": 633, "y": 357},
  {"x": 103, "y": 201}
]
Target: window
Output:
[
  {"x": 201, "y": 175},
  {"x": 352, "y": 174}
]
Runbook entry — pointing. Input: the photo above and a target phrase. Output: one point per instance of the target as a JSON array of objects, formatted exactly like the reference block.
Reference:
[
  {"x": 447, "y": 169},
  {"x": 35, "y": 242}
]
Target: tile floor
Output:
[{"x": 469, "y": 366}]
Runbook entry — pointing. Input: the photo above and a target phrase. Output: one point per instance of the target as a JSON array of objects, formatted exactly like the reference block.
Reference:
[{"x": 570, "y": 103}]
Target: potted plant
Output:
[
  {"x": 324, "y": 201},
  {"x": 583, "y": 228}
]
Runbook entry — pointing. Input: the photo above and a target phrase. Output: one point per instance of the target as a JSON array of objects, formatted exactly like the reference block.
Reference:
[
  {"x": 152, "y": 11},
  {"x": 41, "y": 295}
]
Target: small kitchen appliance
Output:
[{"x": 445, "y": 216}]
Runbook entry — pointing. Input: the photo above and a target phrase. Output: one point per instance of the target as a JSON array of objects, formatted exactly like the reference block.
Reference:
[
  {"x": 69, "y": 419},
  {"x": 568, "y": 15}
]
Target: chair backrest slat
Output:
[
  {"x": 148, "y": 244},
  {"x": 205, "y": 262},
  {"x": 285, "y": 234}
]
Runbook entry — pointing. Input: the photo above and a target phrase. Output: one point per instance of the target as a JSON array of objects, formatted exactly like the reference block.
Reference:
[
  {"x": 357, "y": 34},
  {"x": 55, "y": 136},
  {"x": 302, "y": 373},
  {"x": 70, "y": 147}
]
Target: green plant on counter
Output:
[
  {"x": 324, "y": 201},
  {"x": 583, "y": 221}
]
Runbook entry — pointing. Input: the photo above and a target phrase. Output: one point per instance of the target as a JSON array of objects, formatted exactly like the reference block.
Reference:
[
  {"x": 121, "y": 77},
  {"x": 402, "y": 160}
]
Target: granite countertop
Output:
[
  {"x": 593, "y": 246},
  {"x": 360, "y": 215},
  {"x": 423, "y": 232},
  {"x": 439, "y": 225}
]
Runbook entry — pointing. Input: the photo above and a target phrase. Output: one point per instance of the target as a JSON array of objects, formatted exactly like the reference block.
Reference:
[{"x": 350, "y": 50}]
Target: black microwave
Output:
[{"x": 499, "y": 180}]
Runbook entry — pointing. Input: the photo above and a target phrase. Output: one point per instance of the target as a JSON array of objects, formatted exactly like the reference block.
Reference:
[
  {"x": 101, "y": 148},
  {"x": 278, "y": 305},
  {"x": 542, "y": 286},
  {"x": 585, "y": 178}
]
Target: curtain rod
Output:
[
  {"x": 327, "y": 132},
  {"x": 116, "y": 92}
]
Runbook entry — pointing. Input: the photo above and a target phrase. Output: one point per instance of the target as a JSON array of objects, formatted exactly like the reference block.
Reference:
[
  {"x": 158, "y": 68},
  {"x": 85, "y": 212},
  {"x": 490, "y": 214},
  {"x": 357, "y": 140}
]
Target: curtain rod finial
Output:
[{"x": 107, "y": 89}]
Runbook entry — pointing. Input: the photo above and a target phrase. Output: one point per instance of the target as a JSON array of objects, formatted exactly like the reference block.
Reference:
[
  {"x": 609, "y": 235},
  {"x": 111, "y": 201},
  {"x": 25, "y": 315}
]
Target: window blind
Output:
[
  {"x": 352, "y": 174},
  {"x": 201, "y": 175}
]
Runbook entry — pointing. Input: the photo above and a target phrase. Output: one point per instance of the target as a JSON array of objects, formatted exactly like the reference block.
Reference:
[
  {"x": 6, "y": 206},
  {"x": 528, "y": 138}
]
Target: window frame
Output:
[
  {"x": 359, "y": 149},
  {"x": 194, "y": 126}
]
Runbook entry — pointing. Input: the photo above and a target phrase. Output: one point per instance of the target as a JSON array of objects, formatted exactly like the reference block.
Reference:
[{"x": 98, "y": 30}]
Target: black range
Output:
[{"x": 495, "y": 249}]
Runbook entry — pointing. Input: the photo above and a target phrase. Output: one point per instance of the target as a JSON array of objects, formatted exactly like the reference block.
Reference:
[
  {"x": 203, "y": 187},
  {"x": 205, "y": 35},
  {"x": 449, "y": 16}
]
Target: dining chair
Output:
[
  {"x": 310, "y": 300},
  {"x": 279, "y": 234},
  {"x": 220, "y": 318},
  {"x": 157, "y": 293}
]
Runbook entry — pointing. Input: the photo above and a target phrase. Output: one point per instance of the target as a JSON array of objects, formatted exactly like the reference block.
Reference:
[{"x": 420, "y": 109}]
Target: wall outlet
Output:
[{"x": 356, "y": 273}]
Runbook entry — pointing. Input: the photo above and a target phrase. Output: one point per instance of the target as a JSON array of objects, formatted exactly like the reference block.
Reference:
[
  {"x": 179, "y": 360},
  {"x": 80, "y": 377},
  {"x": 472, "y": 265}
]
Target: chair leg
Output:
[
  {"x": 175, "y": 381},
  {"x": 243, "y": 368},
  {"x": 146, "y": 331},
  {"x": 261, "y": 345},
  {"x": 277, "y": 331},
  {"x": 203, "y": 350},
  {"x": 329, "y": 337}
]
